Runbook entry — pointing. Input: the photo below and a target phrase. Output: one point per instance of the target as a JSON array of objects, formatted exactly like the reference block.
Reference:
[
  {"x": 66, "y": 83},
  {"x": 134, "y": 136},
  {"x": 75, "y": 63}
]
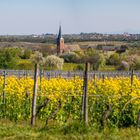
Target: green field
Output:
[{"x": 75, "y": 131}]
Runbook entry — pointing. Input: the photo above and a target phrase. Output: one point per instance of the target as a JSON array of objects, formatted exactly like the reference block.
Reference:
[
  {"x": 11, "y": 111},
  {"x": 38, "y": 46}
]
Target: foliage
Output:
[
  {"x": 123, "y": 66},
  {"x": 122, "y": 49},
  {"x": 96, "y": 59},
  {"x": 72, "y": 66},
  {"x": 70, "y": 57},
  {"x": 114, "y": 59},
  {"x": 79, "y": 67},
  {"x": 47, "y": 50},
  {"x": 136, "y": 64},
  {"x": 38, "y": 58},
  {"x": 8, "y": 57},
  {"x": 53, "y": 62},
  {"x": 26, "y": 54},
  {"x": 25, "y": 65},
  {"x": 62, "y": 100}
]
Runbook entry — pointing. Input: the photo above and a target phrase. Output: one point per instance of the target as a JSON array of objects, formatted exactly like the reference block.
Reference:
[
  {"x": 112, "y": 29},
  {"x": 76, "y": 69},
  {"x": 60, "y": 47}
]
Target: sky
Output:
[{"x": 22, "y": 17}]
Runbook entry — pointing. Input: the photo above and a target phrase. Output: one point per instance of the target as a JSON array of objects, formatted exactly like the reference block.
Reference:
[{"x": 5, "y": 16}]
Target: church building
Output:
[{"x": 60, "y": 43}]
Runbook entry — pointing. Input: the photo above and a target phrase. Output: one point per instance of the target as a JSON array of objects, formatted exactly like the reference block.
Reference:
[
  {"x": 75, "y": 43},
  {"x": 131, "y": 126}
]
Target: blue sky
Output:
[{"x": 75, "y": 16}]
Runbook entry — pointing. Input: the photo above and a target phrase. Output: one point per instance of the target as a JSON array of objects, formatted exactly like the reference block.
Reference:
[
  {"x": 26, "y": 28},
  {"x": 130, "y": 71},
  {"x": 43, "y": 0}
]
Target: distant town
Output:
[{"x": 51, "y": 38}]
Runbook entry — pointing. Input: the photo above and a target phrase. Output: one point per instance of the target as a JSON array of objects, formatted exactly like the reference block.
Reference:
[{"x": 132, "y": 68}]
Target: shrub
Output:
[
  {"x": 8, "y": 58},
  {"x": 53, "y": 62},
  {"x": 96, "y": 59},
  {"x": 79, "y": 67},
  {"x": 114, "y": 59},
  {"x": 122, "y": 49},
  {"x": 47, "y": 50},
  {"x": 70, "y": 57},
  {"x": 123, "y": 66},
  {"x": 136, "y": 64},
  {"x": 26, "y": 54},
  {"x": 38, "y": 58}
]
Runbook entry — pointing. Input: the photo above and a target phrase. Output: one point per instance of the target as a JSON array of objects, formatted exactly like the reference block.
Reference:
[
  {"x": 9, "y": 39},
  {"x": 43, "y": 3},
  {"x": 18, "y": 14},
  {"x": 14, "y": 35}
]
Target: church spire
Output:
[
  {"x": 59, "y": 34},
  {"x": 60, "y": 42}
]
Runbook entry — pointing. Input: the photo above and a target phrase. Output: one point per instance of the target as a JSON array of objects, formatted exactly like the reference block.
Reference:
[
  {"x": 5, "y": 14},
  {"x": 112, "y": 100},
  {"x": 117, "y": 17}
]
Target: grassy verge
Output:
[
  {"x": 74, "y": 131},
  {"x": 72, "y": 66}
]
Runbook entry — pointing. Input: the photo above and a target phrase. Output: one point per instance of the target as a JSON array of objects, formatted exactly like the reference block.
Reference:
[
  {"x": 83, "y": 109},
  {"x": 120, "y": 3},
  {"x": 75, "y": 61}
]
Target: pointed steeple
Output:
[
  {"x": 59, "y": 34},
  {"x": 60, "y": 42}
]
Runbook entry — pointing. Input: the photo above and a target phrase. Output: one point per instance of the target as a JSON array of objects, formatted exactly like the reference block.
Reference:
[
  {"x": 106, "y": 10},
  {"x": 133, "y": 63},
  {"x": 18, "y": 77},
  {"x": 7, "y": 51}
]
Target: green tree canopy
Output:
[{"x": 8, "y": 57}]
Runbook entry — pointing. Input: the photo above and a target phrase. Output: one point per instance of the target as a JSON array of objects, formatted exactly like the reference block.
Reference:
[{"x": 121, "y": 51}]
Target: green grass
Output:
[
  {"x": 71, "y": 66},
  {"x": 25, "y": 64},
  {"x": 72, "y": 131},
  {"x": 107, "y": 68}
]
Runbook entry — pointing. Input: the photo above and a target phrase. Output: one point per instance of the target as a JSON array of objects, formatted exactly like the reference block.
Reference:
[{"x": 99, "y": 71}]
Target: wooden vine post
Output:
[
  {"x": 41, "y": 75},
  {"x": 85, "y": 95},
  {"x": 4, "y": 85},
  {"x": 34, "y": 95},
  {"x": 132, "y": 78},
  {"x": 4, "y": 94},
  {"x": 38, "y": 60}
]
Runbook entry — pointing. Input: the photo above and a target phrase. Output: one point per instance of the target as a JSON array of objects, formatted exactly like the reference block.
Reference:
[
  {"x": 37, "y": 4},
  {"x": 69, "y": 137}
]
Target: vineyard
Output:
[{"x": 112, "y": 101}]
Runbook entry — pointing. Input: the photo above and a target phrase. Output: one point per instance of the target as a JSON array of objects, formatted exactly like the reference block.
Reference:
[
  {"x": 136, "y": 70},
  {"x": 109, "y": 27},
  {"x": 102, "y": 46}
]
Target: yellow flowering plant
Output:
[{"x": 60, "y": 99}]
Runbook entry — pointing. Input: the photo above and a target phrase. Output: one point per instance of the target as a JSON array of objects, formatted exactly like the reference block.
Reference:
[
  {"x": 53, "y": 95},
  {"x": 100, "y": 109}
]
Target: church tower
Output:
[{"x": 60, "y": 43}]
